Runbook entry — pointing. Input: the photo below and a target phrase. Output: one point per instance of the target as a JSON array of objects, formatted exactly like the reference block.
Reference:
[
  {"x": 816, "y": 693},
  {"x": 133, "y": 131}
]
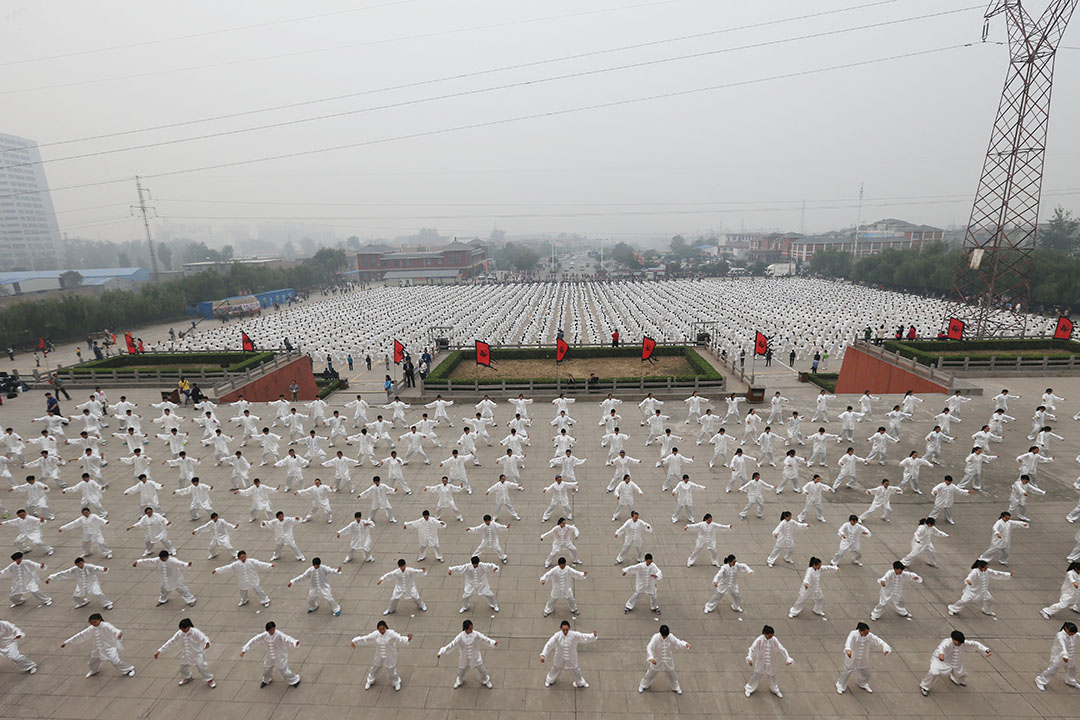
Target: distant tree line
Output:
[{"x": 71, "y": 317}]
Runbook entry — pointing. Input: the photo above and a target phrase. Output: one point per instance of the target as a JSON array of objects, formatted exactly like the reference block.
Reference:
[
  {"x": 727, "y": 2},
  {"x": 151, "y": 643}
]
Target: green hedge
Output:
[
  {"x": 929, "y": 352},
  {"x": 703, "y": 370},
  {"x": 825, "y": 381},
  {"x": 187, "y": 363},
  {"x": 326, "y": 387}
]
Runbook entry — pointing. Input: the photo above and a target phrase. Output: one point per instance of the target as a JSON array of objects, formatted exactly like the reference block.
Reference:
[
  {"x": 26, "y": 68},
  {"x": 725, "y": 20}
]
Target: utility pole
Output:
[
  {"x": 143, "y": 208},
  {"x": 858, "y": 228}
]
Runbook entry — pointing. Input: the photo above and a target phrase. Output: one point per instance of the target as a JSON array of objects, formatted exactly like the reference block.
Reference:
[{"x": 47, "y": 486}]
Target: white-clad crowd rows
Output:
[
  {"x": 798, "y": 314},
  {"x": 360, "y": 432}
]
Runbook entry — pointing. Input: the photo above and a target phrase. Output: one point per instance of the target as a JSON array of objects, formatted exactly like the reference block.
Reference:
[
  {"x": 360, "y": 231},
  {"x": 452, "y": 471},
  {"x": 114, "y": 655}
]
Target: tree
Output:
[
  {"x": 831, "y": 262},
  {"x": 623, "y": 254},
  {"x": 679, "y": 246},
  {"x": 164, "y": 256},
  {"x": 1061, "y": 233},
  {"x": 70, "y": 279},
  {"x": 122, "y": 259}
]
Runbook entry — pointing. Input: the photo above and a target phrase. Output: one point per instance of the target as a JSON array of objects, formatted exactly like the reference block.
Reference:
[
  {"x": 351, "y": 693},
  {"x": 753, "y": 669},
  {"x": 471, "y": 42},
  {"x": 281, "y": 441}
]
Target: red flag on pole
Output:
[
  {"x": 956, "y": 329},
  {"x": 561, "y": 348},
  {"x": 647, "y": 347},
  {"x": 131, "y": 347},
  {"x": 761, "y": 344},
  {"x": 1064, "y": 329},
  {"x": 246, "y": 343},
  {"x": 399, "y": 352},
  {"x": 41, "y": 346},
  {"x": 483, "y": 354}
]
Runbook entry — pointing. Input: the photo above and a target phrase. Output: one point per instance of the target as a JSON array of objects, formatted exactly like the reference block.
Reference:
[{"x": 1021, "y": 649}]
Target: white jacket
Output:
[
  {"x": 426, "y": 530},
  {"x": 260, "y": 495},
  {"x": 645, "y": 577},
  {"x": 359, "y": 534},
  {"x": 277, "y": 647},
  {"x": 168, "y": 570},
  {"x": 662, "y": 650},
  {"x": 468, "y": 645},
  {"x": 192, "y": 644},
  {"x": 954, "y": 655},
  {"x": 561, "y": 580},
  {"x": 860, "y": 647},
  {"x": 247, "y": 572},
  {"x": 318, "y": 577},
  {"x": 85, "y": 577},
  {"x": 105, "y": 638},
  {"x": 765, "y": 653},
  {"x": 784, "y": 532},
  {"x": 476, "y": 578},
  {"x": 561, "y": 649},
  {"x": 634, "y": 531},
  {"x": 727, "y": 577}
]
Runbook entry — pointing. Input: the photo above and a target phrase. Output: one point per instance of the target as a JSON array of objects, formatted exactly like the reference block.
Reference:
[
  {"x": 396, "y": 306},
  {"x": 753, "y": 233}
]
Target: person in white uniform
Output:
[
  {"x": 561, "y": 578},
  {"x": 562, "y": 538},
  {"x": 851, "y": 534},
  {"x": 810, "y": 589},
  {"x": 660, "y": 657},
  {"x": 647, "y": 575},
  {"x": 923, "y": 542},
  {"x": 170, "y": 575},
  {"x": 10, "y": 634},
  {"x": 104, "y": 639},
  {"x": 764, "y": 656},
  {"x": 857, "y": 648},
  {"x": 476, "y": 581},
  {"x": 247, "y": 577},
  {"x": 784, "y": 532},
  {"x": 427, "y": 531},
  {"x": 502, "y": 490},
  {"x": 277, "y": 646},
  {"x": 892, "y": 590},
  {"x": 359, "y": 535},
  {"x": 318, "y": 577},
  {"x": 87, "y": 582},
  {"x": 562, "y": 651},
  {"x": 1062, "y": 657},
  {"x": 977, "y": 588},
  {"x": 1070, "y": 593},
  {"x": 948, "y": 660},
  {"x": 726, "y": 582},
  {"x": 193, "y": 645},
  {"x": 468, "y": 643},
  {"x": 1001, "y": 538},
  {"x": 706, "y": 539},
  {"x": 404, "y": 579},
  {"x": 283, "y": 535},
  {"x": 386, "y": 642}
]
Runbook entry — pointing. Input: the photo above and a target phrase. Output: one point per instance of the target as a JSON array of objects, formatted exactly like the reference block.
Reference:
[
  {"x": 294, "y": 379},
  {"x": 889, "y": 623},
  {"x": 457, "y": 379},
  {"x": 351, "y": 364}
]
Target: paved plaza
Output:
[{"x": 712, "y": 674}]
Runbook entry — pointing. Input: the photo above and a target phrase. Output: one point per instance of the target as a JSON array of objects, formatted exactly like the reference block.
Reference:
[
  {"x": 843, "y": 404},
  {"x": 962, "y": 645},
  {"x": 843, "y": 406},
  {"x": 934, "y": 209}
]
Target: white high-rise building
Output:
[{"x": 29, "y": 235}]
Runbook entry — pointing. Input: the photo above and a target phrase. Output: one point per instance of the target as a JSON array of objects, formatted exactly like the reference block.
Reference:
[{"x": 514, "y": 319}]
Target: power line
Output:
[
  {"x": 367, "y": 43},
  {"x": 506, "y": 121},
  {"x": 506, "y": 86},
  {"x": 449, "y": 78},
  {"x": 207, "y": 33}
]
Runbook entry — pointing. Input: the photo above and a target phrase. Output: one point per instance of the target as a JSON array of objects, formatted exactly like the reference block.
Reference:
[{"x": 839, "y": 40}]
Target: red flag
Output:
[
  {"x": 561, "y": 348},
  {"x": 956, "y": 329},
  {"x": 761, "y": 344},
  {"x": 1064, "y": 329},
  {"x": 647, "y": 347},
  {"x": 41, "y": 346},
  {"x": 483, "y": 354},
  {"x": 246, "y": 343},
  {"x": 399, "y": 352},
  {"x": 131, "y": 348}
]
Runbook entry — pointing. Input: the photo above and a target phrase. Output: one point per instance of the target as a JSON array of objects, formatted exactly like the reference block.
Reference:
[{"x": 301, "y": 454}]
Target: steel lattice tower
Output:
[{"x": 992, "y": 284}]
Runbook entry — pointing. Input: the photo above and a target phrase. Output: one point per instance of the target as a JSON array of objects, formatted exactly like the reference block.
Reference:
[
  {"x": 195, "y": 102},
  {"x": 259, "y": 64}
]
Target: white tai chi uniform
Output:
[
  {"x": 489, "y": 538},
  {"x": 476, "y": 582},
  {"x": 755, "y": 496},
  {"x": 502, "y": 497},
  {"x": 277, "y": 655},
  {"x": 1062, "y": 657},
  {"x": 633, "y": 534},
  {"x": 105, "y": 645},
  {"x": 560, "y": 498},
  {"x": 977, "y": 588},
  {"x": 320, "y": 500},
  {"x": 561, "y": 650},
  {"x": 790, "y": 473},
  {"x": 29, "y": 533},
  {"x": 319, "y": 587},
  {"x": 1001, "y": 540},
  {"x": 200, "y": 498},
  {"x": 810, "y": 589},
  {"x": 726, "y": 582},
  {"x": 684, "y": 499},
  {"x": 784, "y": 533},
  {"x": 660, "y": 657},
  {"x": 427, "y": 531},
  {"x": 170, "y": 578},
  {"x": 562, "y": 539},
  {"x": 445, "y": 492},
  {"x": 674, "y": 463},
  {"x": 892, "y": 592},
  {"x": 911, "y": 467},
  {"x": 219, "y": 536},
  {"x": 948, "y": 659},
  {"x": 882, "y": 501},
  {"x": 260, "y": 499},
  {"x": 385, "y": 655},
  {"x": 624, "y": 497},
  {"x": 283, "y": 536},
  {"x": 923, "y": 542},
  {"x": 404, "y": 586},
  {"x": 1069, "y": 598},
  {"x": 9, "y": 647},
  {"x": 857, "y": 649},
  {"x": 379, "y": 501},
  {"x": 847, "y": 463},
  {"x": 87, "y": 583},
  {"x": 469, "y": 656},
  {"x": 562, "y": 586},
  {"x": 622, "y": 464},
  {"x": 646, "y": 576},
  {"x": 944, "y": 496},
  {"x": 764, "y": 656},
  {"x": 247, "y": 578},
  {"x": 156, "y": 532},
  {"x": 706, "y": 540},
  {"x": 813, "y": 491},
  {"x": 359, "y": 534},
  {"x": 193, "y": 645},
  {"x": 851, "y": 539}
]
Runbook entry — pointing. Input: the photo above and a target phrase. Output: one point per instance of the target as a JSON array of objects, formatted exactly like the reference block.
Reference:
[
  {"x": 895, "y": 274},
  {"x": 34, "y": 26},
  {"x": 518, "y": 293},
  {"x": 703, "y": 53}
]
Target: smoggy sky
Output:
[{"x": 731, "y": 145}]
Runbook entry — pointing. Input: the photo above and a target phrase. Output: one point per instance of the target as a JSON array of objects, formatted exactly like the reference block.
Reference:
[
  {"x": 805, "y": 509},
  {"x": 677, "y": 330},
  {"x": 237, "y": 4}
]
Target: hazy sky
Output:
[{"x": 744, "y": 154}]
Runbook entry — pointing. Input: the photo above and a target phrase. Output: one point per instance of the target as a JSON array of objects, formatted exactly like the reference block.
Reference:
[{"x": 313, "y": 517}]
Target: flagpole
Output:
[{"x": 753, "y": 368}]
